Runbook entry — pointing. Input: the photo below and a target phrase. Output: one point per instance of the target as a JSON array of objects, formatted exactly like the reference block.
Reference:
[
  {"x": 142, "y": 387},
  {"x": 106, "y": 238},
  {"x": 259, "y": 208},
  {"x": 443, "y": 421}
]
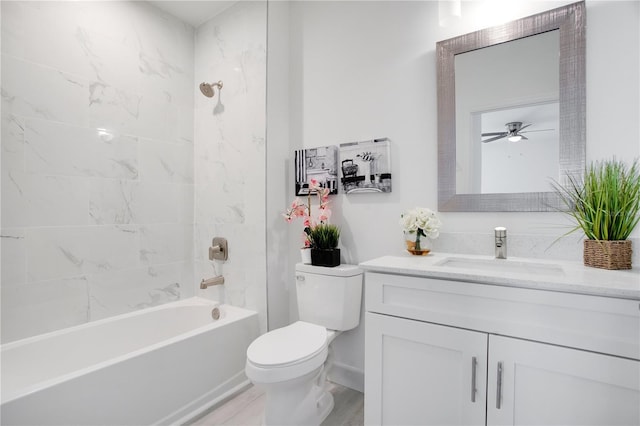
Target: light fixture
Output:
[{"x": 515, "y": 138}]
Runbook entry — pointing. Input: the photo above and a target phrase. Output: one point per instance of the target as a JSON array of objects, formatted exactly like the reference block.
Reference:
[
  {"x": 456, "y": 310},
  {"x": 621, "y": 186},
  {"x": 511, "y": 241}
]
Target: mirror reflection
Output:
[
  {"x": 507, "y": 116},
  {"x": 523, "y": 157}
]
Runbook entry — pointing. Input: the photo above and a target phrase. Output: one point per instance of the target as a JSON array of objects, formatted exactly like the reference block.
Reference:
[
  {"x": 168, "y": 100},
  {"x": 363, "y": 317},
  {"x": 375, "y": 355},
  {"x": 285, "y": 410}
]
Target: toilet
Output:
[{"x": 291, "y": 363}]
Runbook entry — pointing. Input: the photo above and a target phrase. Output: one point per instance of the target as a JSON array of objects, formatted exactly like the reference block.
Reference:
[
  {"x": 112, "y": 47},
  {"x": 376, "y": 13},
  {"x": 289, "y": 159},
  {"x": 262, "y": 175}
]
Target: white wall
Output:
[
  {"x": 97, "y": 162},
  {"x": 230, "y": 154},
  {"x": 362, "y": 70}
]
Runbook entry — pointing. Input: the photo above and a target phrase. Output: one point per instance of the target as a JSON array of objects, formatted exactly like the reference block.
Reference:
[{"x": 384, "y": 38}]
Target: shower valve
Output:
[{"x": 219, "y": 249}]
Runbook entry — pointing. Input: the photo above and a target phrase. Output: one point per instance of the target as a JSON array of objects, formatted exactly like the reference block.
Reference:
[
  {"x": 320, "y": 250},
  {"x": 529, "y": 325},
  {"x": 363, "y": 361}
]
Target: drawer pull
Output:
[
  {"x": 474, "y": 364},
  {"x": 499, "y": 386}
]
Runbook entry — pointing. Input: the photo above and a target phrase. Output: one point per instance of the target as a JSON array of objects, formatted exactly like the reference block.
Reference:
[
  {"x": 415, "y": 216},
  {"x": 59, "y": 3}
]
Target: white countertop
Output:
[{"x": 568, "y": 277}]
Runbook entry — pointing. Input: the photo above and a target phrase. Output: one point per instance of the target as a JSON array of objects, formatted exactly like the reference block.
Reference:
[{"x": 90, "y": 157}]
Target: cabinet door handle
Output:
[
  {"x": 499, "y": 386},
  {"x": 474, "y": 364}
]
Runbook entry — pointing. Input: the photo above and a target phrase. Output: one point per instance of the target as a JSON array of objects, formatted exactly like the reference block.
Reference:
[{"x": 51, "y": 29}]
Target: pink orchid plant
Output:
[{"x": 300, "y": 209}]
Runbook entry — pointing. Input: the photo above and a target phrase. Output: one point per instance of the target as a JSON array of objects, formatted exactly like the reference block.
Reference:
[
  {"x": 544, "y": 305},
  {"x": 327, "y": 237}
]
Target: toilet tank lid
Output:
[{"x": 343, "y": 270}]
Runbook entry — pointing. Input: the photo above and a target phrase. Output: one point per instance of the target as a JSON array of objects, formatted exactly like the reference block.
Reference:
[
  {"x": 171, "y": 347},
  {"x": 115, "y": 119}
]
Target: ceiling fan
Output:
[{"x": 513, "y": 132}]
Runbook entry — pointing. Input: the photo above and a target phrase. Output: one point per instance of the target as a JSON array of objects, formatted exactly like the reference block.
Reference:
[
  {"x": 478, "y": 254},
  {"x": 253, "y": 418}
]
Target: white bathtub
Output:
[{"x": 162, "y": 365}]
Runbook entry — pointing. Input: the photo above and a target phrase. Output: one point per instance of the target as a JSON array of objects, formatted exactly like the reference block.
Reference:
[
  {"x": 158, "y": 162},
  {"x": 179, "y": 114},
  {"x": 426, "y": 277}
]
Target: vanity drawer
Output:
[{"x": 600, "y": 324}]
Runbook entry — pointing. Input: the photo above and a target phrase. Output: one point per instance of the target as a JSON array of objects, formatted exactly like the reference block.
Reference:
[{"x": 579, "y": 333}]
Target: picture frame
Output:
[
  {"x": 365, "y": 166},
  {"x": 316, "y": 163}
]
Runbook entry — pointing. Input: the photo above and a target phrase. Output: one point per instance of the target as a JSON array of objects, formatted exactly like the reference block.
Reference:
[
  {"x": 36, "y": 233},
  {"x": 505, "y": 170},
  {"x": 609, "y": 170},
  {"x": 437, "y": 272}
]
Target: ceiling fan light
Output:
[{"x": 515, "y": 138}]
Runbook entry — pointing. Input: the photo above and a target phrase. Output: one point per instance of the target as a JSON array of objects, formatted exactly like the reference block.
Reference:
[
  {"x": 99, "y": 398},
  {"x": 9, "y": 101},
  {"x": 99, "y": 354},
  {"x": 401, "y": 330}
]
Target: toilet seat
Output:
[{"x": 287, "y": 353}]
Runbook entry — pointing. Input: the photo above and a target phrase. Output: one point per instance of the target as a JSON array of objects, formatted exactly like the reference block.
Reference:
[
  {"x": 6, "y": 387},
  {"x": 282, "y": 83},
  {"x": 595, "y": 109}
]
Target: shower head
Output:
[{"x": 207, "y": 88}]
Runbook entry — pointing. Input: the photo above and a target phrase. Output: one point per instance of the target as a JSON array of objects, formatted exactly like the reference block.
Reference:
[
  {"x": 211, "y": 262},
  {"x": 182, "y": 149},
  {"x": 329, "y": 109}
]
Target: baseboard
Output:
[{"x": 347, "y": 376}]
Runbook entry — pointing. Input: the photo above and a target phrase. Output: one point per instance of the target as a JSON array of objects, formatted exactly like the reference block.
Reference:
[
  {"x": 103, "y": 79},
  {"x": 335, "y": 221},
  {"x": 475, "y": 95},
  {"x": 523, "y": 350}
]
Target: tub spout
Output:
[{"x": 219, "y": 280}]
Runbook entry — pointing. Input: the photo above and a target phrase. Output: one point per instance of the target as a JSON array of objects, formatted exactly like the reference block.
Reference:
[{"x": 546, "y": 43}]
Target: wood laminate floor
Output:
[{"x": 246, "y": 408}]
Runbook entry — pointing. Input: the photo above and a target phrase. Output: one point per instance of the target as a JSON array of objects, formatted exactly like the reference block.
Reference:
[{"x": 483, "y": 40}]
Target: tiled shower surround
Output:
[
  {"x": 99, "y": 181},
  {"x": 230, "y": 153}
]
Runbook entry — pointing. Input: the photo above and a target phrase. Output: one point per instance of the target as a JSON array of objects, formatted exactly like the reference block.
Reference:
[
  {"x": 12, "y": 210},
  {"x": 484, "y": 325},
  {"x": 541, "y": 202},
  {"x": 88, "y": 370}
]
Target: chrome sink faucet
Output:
[{"x": 501, "y": 242}]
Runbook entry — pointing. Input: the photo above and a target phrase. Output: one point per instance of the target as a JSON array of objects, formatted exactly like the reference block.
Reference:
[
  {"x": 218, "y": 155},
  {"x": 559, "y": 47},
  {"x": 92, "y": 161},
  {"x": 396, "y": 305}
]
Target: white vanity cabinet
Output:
[
  {"x": 552, "y": 385},
  {"x": 417, "y": 373},
  {"x": 443, "y": 352}
]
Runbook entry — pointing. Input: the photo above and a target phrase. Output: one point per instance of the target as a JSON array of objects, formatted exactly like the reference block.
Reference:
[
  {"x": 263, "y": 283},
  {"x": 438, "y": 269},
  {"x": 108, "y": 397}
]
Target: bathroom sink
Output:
[{"x": 502, "y": 265}]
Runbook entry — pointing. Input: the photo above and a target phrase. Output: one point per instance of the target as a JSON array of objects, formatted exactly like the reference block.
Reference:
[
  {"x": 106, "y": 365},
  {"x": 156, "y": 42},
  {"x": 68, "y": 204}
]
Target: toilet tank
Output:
[{"x": 329, "y": 297}]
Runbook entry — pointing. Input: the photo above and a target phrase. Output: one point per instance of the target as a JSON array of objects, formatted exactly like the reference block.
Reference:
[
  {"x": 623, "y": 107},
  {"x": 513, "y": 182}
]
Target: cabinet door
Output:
[
  {"x": 419, "y": 373},
  {"x": 551, "y": 385}
]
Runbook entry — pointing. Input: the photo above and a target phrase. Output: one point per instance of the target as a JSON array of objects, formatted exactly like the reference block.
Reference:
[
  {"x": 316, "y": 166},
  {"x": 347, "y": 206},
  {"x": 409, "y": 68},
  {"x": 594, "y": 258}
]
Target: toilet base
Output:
[
  {"x": 325, "y": 405},
  {"x": 298, "y": 402}
]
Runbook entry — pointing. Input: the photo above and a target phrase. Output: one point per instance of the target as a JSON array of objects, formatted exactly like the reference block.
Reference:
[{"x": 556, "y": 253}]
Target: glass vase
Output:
[{"x": 417, "y": 244}]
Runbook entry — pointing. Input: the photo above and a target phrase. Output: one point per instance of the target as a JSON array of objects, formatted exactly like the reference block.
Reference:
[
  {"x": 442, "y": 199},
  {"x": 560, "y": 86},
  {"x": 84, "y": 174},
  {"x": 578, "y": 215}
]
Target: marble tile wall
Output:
[
  {"x": 97, "y": 162},
  {"x": 229, "y": 151}
]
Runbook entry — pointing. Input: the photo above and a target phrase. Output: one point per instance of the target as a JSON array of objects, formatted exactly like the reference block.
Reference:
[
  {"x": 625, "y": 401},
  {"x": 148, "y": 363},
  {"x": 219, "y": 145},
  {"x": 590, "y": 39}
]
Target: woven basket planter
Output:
[{"x": 607, "y": 254}]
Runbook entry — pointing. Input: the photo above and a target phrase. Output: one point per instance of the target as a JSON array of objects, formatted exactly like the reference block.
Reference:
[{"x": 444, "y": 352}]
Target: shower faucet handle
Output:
[{"x": 219, "y": 249}]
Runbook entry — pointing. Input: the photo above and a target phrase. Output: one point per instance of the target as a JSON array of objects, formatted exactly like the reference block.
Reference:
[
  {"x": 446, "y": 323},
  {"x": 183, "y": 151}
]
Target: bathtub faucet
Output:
[{"x": 212, "y": 281}]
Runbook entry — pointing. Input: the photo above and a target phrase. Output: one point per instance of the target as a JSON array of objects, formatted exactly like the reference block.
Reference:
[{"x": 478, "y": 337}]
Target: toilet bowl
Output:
[{"x": 291, "y": 363}]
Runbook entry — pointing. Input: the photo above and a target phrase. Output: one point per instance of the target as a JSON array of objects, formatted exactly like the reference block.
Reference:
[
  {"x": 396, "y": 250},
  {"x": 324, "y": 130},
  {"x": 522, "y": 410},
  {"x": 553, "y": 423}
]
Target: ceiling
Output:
[{"x": 194, "y": 13}]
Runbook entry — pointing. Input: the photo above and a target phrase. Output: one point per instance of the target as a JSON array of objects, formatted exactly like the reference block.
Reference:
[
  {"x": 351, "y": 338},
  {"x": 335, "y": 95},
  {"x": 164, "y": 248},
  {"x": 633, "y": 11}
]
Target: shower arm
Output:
[{"x": 218, "y": 84}]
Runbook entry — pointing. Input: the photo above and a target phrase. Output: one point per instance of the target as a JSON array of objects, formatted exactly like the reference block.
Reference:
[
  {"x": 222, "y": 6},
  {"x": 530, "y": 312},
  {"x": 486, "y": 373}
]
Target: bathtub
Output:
[{"x": 162, "y": 365}]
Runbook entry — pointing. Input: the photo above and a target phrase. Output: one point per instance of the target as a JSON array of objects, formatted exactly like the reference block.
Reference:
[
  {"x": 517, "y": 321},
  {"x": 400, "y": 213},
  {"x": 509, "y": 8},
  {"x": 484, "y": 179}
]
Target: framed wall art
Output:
[
  {"x": 316, "y": 163},
  {"x": 365, "y": 166}
]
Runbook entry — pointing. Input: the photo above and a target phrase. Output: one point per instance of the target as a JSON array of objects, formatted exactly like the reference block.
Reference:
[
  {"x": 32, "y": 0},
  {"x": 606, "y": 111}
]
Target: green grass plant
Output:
[
  {"x": 605, "y": 203},
  {"x": 325, "y": 236}
]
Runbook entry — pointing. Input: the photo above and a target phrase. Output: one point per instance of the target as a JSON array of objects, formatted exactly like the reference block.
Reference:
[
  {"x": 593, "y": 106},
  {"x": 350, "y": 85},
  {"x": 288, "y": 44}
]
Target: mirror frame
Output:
[{"x": 570, "y": 21}]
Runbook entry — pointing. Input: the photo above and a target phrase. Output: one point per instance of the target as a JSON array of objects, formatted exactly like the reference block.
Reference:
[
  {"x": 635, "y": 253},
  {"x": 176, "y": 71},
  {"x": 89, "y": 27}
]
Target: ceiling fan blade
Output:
[
  {"x": 495, "y": 138},
  {"x": 523, "y": 137},
  {"x": 494, "y": 134},
  {"x": 540, "y": 130}
]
